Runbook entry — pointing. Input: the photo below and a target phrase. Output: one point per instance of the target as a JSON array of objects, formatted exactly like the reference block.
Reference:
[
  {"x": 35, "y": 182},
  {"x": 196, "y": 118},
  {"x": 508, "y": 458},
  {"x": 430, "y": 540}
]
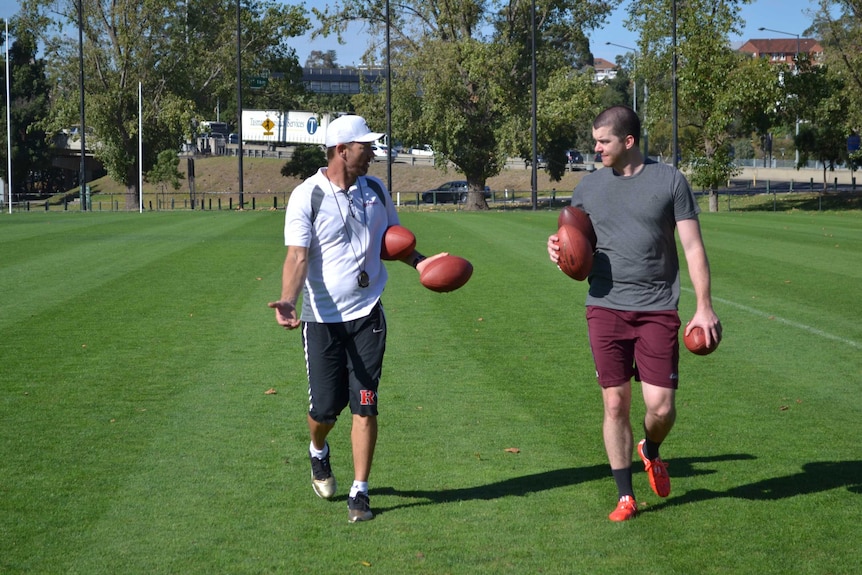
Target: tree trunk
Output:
[
  {"x": 132, "y": 187},
  {"x": 713, "y": 200},
  {"x": 132, "y": 197},
  {"x": 475, "y": 201}
]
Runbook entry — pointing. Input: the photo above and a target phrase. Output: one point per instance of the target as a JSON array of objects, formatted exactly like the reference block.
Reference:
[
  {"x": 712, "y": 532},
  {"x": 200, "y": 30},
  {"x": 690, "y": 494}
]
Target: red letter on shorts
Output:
[{"x": 367, "y": 397}]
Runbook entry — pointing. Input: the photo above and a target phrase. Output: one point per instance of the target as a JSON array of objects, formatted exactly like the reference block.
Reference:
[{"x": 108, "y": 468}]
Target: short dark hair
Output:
[{"x": 622, "y": 120}]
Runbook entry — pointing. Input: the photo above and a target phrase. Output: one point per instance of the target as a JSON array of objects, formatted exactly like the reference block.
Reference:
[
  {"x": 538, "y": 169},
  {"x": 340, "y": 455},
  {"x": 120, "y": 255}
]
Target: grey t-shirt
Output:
[{"x": 636, "y": 265}]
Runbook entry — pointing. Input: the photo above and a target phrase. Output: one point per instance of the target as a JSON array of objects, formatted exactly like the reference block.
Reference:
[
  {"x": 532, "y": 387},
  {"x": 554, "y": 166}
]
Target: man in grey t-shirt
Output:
[{"x": 635, "y": 206}]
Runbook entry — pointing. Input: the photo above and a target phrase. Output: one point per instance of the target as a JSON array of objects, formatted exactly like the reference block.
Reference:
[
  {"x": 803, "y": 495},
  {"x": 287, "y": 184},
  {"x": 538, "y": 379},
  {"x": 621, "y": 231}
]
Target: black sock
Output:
[
  {"x": 651, "y": 448},
  {"x": 623, "y": 477}
]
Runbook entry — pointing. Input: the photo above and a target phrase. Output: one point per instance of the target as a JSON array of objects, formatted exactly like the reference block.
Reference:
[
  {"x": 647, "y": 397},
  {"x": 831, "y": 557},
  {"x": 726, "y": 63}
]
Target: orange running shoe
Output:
[
  {"x": 626, "y": 509},
  {"x": 659, "y": 480}
]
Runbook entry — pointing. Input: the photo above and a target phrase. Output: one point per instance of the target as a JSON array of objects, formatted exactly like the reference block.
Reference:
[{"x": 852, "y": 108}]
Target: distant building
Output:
[
  {"x": 604, "y": 70},
  {"x": 342, "y": 80},
  {"x": 783, "y": 50}
]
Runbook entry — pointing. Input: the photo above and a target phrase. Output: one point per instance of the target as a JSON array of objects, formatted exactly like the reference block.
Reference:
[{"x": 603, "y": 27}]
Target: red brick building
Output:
[{"x": 783, "y": 50}]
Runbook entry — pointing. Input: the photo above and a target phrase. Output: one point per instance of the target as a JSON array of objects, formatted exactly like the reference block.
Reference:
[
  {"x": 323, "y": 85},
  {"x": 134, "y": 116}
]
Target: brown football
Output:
[
  {"x": 695, "y": 342},
  {"x": 576, "y": 253},
  {"x": 446, "y": 273},
  {"x": 398, "y": 243},
  {"x": 578, "y": 218}
]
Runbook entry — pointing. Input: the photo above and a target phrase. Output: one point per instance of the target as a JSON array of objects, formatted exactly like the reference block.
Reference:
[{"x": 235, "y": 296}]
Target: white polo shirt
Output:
[{"x": 342, "y": 242}]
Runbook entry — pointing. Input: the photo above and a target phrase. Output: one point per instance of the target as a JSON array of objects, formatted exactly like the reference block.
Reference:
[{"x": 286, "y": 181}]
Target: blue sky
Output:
[{"x": 787, "y": 15}]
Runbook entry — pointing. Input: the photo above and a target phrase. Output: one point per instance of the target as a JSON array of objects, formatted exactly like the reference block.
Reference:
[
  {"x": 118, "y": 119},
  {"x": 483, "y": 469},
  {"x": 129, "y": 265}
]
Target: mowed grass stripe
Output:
[
  {"x": 155, "y": 449},
  {"x": 78, "y": 254},
  {"x": 782, "y": 265},
  {"x": 118, "y": 361},
  {"x": 472, "y": 347}
]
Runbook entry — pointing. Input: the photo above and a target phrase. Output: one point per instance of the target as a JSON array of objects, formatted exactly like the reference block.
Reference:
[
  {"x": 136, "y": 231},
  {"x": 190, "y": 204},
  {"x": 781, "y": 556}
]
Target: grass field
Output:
[{"x": 137, "y": 435}]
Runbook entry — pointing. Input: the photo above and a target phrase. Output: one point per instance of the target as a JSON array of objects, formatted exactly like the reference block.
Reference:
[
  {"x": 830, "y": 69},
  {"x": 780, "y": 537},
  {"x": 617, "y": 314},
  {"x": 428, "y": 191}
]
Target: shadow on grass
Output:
[
  {"x": 527, "y": 484},
  {"x": 815, "y": 477}
]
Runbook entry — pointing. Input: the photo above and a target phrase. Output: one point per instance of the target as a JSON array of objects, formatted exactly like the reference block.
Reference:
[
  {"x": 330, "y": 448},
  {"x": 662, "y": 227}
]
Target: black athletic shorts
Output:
[{"x": 344, "y": 362}]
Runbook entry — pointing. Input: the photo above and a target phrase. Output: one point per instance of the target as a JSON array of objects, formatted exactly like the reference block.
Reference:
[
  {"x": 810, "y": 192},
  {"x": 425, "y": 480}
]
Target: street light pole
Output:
[
  {"x": 795, "y": 71},
  {"x": 534, "y": 129},
  {"x": 673, "y": 90},
  {"x": 239, "y": 102},
  {"x": 82, "y": 172},
  {"x": 634, "y": 75},
  {"x": 635, "y": 93}
]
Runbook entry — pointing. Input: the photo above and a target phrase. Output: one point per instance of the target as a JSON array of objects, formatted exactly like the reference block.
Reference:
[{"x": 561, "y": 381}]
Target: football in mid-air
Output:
[
  {"x": 398, "y": 243},
  {"x": 576, "y": 253},
  {"x": 578, "y": 218},
  {"x": 695, "y": 342},
  {"x": 446, "y": 273}
]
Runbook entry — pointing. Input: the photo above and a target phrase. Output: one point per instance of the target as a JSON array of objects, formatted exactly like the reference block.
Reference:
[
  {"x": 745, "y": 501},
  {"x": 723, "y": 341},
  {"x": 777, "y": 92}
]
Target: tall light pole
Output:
[
  {"x": 635, "y": 91},
  {"x": 8, "y": 122},
  {"x": 82, "y": 176},
  {"x": 239, "y": 100},
  {"x": 389, "y": 145},
  {"x": 534, "y": 130},
  {"x": 634, "y": 74},
  {"x": 795, "y": 70},
  {"x": 673, "y": 89}
]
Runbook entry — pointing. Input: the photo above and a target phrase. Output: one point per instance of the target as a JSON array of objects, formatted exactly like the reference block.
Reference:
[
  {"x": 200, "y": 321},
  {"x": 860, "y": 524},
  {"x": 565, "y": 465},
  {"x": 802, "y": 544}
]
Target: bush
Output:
[{"x": 306, "y": 160}]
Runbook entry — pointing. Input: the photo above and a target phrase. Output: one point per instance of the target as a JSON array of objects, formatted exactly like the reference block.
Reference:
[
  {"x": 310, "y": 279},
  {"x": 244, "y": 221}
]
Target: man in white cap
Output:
[{"x": 334, "y": 226}]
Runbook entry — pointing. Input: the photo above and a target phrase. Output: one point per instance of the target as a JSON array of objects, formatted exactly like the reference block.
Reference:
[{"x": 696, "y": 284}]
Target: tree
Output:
[
  {"x": 305, "y": 161},
  {"x": 461, "y": 77},
  {"x": 165, "y": 172},
  {"x": 321, "y": 59},
  {"x": 182, "y": 56},
  {"x": 820, "y": 101},
  {"x": 720, "y": 92},
  {"x": 31, "y": 158},
  {"x": 841, "y": 37}
]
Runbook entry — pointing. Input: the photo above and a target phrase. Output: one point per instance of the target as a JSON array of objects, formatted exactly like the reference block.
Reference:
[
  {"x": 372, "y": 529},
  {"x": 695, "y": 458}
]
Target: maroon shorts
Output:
[{"x": 626, "y": 344}]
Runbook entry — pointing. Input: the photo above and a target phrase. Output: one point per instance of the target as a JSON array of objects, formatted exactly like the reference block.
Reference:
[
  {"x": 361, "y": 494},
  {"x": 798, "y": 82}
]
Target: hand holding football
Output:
[
  {"x": 576, "y": 253},
  {"x": 695, "y": 342},
  {"x": 445, "y": 273},
  {"x": 579, "y": 219}
]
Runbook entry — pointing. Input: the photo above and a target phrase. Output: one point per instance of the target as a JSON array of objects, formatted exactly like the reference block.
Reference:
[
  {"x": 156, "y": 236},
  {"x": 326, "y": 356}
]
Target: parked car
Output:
[
  {"x": 454, "y": 192},
  {"x": 540, "y": 162},
  {"x": 575, "y": 160},
  {"x": 233, "y": 138},
  {"x": 425, "y": 150},
  {"x": 380, "y": 152}
]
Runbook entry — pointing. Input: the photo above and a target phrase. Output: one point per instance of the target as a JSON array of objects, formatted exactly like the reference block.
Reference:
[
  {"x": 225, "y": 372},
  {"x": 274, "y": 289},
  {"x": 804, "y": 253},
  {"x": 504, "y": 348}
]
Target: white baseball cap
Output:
[{"x": 348, "y": 129}]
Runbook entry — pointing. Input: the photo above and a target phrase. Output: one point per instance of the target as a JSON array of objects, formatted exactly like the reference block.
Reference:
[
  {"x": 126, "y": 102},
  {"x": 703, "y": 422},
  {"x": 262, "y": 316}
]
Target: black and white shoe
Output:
[
  {"x": 359, "y": 508},
  {"x": 322, "y": 479}
]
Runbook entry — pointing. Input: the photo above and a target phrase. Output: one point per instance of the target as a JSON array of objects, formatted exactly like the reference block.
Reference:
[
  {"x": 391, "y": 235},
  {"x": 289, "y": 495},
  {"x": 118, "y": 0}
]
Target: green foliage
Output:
[
  {"x": 468, "y": 95},
  {"x": 184, "y": 59},
  {"x": 838, "y": 25},
  {"x": 743, "y": 148},
  {"x": 165, "y": 172},
  {"x": 721, "y": 93},
  {"x": 31, "y": 161},
  {"x": 304, "y": 162},
  {"x": 818, "y": 98}
]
